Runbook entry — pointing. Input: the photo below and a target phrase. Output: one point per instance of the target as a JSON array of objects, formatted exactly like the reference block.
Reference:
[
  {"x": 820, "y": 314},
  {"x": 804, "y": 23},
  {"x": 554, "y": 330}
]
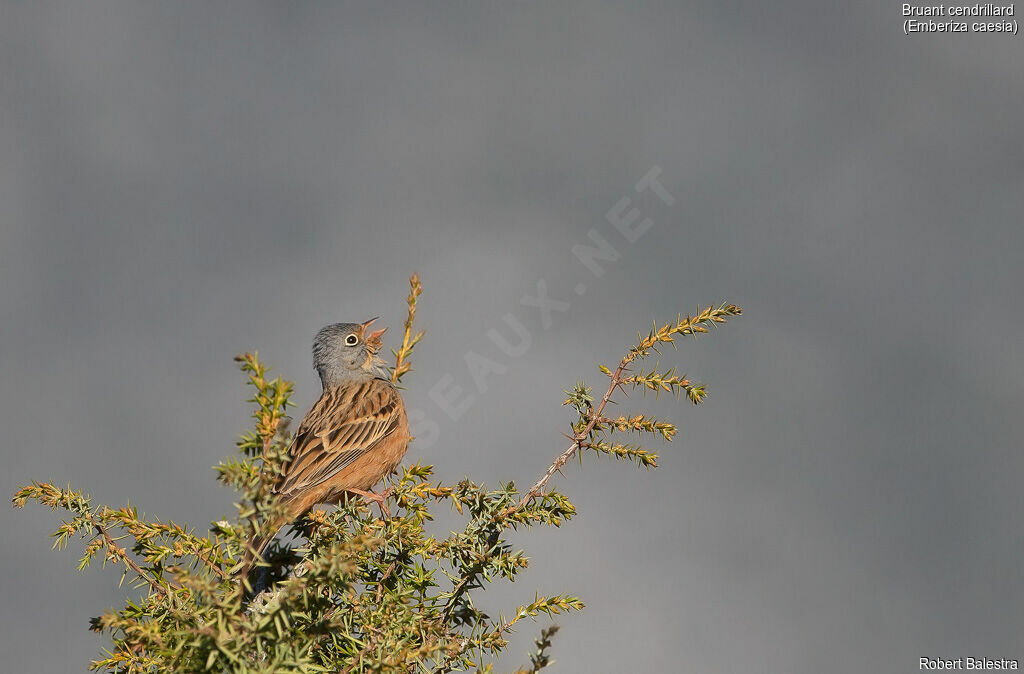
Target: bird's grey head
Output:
[{"x": 346, "y": 352}]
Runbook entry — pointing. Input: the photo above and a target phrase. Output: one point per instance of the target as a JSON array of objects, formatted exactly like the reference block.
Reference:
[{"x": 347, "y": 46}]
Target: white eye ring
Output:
[{"x": 351, "y": 340}]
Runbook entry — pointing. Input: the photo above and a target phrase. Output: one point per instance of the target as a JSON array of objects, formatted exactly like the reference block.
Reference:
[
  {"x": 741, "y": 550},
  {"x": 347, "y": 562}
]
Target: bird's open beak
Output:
[{"x": 373, "y": 339}]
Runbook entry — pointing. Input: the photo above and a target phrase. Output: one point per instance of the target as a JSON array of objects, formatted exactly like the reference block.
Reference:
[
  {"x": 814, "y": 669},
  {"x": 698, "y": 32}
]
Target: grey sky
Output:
[{"x": 183, "y": 181}]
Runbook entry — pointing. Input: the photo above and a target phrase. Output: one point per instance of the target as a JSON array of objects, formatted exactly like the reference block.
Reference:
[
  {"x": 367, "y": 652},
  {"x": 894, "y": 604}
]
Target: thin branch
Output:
[
  {"x": 211, "y": 564},
  {"x": 446, "y": 666},
  {"x": 409, "y": 340},
  {"x": 464, "y": 643},
  {"x": 691, "y": 325},
  {"x": 578, "y": 440},
  {"x": 359, "y": 656},
  {"x": 688, "y": 326},
  {"x": 469, "y": 577},
  {"x": 380, "y": 583},
  {"x": 120, "y": 552}
]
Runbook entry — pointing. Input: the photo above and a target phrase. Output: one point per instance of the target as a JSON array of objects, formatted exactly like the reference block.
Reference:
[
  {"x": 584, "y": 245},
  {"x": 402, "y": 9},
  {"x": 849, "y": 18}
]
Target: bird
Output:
[{"x": 354, "y": 435}]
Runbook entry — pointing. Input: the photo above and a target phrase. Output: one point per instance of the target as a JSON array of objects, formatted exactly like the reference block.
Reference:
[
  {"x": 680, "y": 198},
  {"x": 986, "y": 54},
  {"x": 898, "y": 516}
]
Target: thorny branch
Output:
[
  {"x": 577, "y": 441},
  {"x": 122, "y": 554},
  {"x": 683, "y": 326}
]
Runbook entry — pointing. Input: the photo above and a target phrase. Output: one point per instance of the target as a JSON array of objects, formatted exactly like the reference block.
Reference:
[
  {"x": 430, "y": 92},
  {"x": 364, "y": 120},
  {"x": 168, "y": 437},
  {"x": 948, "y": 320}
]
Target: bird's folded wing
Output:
[{"x": 342, "y": 426}]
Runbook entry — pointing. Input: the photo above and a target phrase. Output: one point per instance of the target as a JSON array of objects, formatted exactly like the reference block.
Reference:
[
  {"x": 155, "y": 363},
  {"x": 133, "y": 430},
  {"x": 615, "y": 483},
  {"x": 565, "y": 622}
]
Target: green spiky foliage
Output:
[{"x": 358, "y": 590}]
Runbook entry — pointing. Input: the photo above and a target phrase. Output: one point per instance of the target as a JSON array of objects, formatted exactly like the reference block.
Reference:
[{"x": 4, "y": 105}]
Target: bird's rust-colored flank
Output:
[{"x": 352, "y": 437}]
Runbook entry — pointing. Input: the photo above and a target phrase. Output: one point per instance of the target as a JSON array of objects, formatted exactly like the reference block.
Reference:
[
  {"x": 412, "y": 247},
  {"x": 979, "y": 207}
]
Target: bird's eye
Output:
[{"x": 351, "y": 340}]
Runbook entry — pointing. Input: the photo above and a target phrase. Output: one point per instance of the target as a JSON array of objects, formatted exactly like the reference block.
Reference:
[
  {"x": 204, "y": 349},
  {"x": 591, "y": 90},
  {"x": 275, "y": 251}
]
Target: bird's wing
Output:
[{"x": 344, "y": 424}]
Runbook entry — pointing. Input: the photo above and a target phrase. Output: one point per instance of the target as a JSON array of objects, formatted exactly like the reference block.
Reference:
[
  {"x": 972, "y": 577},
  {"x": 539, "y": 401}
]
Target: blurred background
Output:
[{"x": 180, "y": 182}]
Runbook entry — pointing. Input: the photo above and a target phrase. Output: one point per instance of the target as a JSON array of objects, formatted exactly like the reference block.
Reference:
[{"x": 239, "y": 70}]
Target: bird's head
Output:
[{"x": 345, "y": 352}]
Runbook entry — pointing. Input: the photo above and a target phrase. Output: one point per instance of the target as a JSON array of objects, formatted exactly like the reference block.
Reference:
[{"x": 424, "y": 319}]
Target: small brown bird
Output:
[{"x": 353, "y": 436}]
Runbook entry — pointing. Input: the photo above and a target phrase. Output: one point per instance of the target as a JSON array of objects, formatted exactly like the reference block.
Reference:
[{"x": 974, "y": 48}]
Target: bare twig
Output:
[{"x": 578, "y": 439}]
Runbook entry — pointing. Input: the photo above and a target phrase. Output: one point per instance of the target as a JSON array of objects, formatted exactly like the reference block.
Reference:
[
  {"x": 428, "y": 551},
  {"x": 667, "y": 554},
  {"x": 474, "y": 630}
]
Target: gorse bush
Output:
[{"x": 366, "y": 589}]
